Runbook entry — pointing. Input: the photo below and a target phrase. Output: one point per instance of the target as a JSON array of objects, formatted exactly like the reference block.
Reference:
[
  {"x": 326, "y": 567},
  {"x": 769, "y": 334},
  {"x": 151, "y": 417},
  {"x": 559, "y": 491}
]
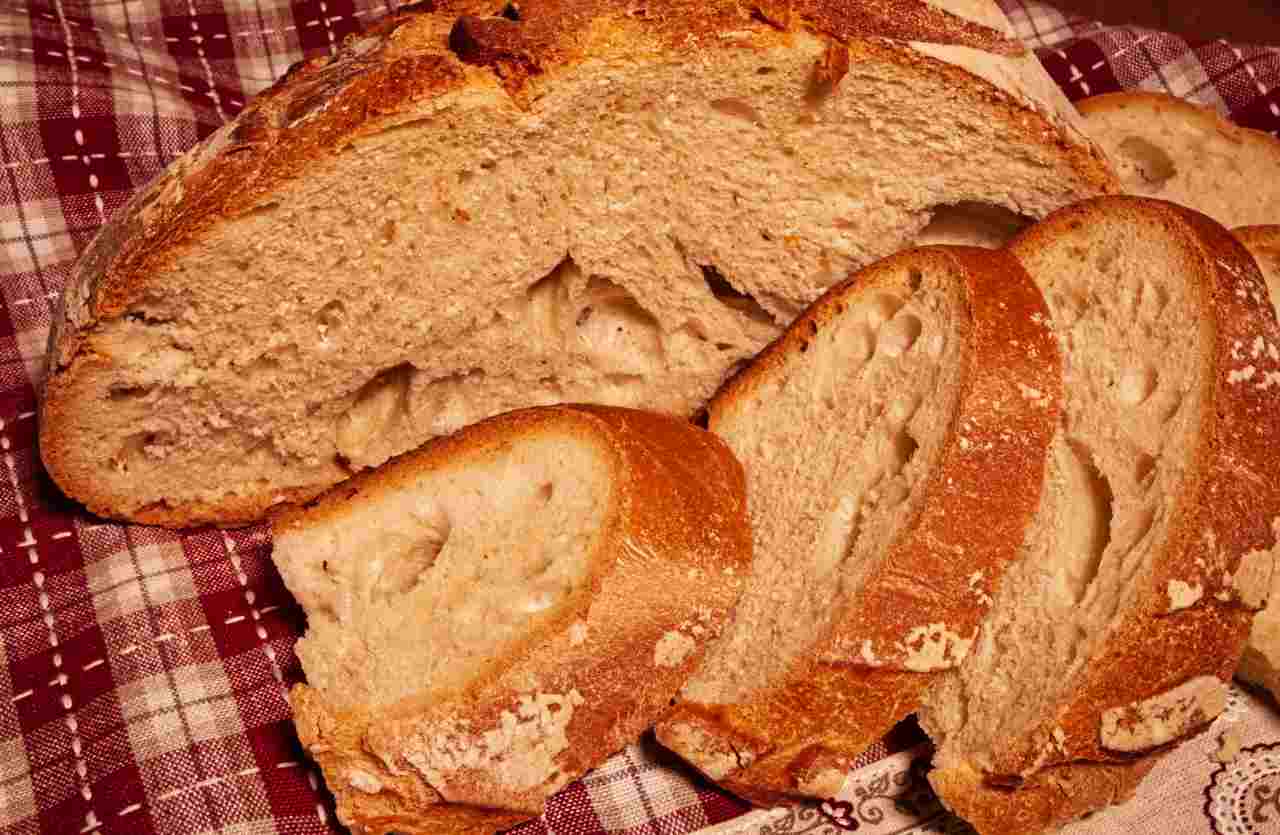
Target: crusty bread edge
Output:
[
  {"x": 796, "y": 738},
  {"x": 1104, "y": 103},
  {"x": 679, "y": 509},
  {"x": 1234, "y": 497},
  {"x": 1051, "y": 799}
]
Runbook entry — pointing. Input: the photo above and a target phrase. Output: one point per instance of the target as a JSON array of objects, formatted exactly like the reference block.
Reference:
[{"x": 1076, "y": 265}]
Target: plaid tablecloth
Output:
[{"x": 144, "y": 672}]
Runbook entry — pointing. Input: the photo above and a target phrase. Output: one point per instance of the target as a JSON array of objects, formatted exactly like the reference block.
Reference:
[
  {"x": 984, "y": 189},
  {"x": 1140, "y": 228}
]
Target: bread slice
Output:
[
  {"x": 1169, "y": 148},
  {"x": 1114, "y": 633},
  {"x": 1260, "y": 663},
  {"x": 894, "y": 443},
  {"x": 461, "y": 214},
  {"x": 496, "y": 613}
]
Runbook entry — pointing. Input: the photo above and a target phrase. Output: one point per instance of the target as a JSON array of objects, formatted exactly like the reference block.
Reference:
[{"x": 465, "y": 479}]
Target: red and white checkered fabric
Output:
[{"x": 144, "y": 672}]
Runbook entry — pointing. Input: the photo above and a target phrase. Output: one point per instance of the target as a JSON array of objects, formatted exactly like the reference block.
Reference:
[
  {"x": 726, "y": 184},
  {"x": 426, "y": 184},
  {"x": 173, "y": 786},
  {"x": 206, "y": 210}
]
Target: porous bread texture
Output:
[
  {"x": 869, "y": 433},
  {"x": 1172, "y": 149},
  {"x": 1153, "y": 543},
  {"x": 1260, "y": 663},
  {"x": 444, "y": 222},
  {"x": 498, "y": 612}
]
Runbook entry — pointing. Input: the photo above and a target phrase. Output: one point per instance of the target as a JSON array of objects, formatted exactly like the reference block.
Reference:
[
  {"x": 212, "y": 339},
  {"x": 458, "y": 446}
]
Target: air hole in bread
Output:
[
  {"x": 731, "y": 297},
  {"x": 118, "y": 394},
  {"x": 402, "y": 571},
  {"x": 899, "y": 335},
  {"x": 1152, "y": 163},
  {"x": 155, "y": 445},
  {"x": 378, "y": 407},
  {"x": 329, "y": 320},
  {"x": 1088, "y": 530},
  {"x": 1144, "y": 466},
  {"x": 511, "y": 12},
  {"x": 614, "y": 332},
  {"x": 1137, "y": 384},
  {"x": 737, "y": 109},
  {"x": 880, "y": 309},
  {"x": 972, "y": 223}
]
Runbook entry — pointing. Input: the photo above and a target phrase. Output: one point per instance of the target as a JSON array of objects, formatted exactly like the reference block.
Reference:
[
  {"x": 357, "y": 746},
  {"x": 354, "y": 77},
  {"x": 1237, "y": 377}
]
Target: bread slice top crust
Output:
[
  {"x": 456, "y": 216},
  {"x": 1155, "y": 539},
  {"x": 869, "y": 434},
  {"x": 1172, "y": 149},
  {"x": 1263, "y": 243},
  {"x": 493, "y": 615},
  {"x": 1260, "y": 663}
]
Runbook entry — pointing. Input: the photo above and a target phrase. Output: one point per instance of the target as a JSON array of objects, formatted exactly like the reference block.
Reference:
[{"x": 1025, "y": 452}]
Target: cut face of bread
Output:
[
  {"x": 358, "y": 263},
  {"x": 869, "y": 433},
  {"x": 498, "y": 612},
  {"x": 1169, "y": 148},
  {"x": 1260, "y": 663},
  {"x": 1153, "y": 542}
]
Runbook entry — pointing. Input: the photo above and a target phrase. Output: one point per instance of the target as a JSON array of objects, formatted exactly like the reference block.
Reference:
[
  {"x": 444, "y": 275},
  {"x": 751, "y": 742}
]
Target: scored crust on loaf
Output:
[
  {"x": 1154, "y": 541},
  {"x": 1260, "y": 662},
  {"x": 1172, "y": 149},
  {"x": 460, "y": 214},
  {"x": 870, "y": 433},
  {"x": 498, "y": 612}
]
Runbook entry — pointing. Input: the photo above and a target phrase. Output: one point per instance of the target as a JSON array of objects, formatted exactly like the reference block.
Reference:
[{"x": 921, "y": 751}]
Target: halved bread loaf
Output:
[
  {"x": 894, "y": 444},
  {"x": 1172, "y": 149},
  {"x": 1260, "y": 663},
  {"x": 1114, "y": 633},
  {"x": 462, "y": 213},
  {"x": 496, "y": 613}
]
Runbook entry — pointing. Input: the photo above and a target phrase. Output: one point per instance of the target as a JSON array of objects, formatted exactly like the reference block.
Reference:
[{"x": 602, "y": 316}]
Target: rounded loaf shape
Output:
[
  {"x": 499, "y": 611},
  {"x": 894, "y": 443},
  {"x": 461, "y": 213}
]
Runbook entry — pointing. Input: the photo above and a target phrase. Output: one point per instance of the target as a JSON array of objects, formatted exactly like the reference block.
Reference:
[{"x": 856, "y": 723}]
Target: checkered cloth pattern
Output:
[{"x": 144, "y": 675}]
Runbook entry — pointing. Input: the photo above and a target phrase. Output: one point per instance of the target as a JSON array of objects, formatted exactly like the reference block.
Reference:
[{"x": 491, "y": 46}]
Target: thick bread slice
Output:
[
  {"x": 1165, "y": 147},
  {"x": 1154, "y": 541},
  {"x": 494, "y": 614},
  {"x": 458, "y": 215},
  {"x": 894, "y": 442},
  {"x": 1260, "y": 663}
]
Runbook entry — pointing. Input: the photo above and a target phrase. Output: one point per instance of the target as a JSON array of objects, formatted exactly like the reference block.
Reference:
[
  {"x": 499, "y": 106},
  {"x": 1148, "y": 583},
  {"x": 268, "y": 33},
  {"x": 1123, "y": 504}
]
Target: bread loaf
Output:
[
  {"x": 1175, "y": 150},
  {"x": 894, "y": 443},
  {"x": 1115, "y": 632},
  {"x": 496, "y": 613},
  {"x": 462, "y": 213}
]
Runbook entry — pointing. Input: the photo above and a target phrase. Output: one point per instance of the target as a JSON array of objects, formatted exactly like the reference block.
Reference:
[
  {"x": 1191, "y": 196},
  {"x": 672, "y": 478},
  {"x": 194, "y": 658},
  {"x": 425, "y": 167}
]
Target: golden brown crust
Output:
[
  {"x": 677, "y": 543},
  {"x": 1051, "y": 799},
  {"x": 1157, "y": 102},
  {"x": 1225, "y": 513},
  {"x": 1259, "y": 239},
  {"x": 836, "y": 704},
  {"x": 410, "y": 58}
]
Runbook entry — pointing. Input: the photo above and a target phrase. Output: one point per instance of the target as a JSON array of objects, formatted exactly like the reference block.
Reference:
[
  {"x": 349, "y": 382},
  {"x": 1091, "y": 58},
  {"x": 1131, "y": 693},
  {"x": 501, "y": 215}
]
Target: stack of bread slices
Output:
[{"x": 980, "y": 486}]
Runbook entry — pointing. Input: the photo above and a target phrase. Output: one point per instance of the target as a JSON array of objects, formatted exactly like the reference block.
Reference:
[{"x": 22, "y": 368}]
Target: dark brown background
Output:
[{"x": 1232, "y": 19}]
